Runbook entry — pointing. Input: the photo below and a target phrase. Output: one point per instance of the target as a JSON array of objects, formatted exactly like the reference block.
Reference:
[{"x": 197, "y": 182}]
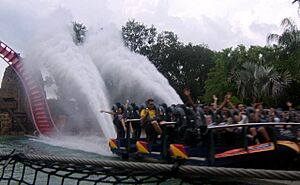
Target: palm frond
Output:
[
  {"x": 272, "y": 37},
  {"x": 256, "y": 81},
  {"x": 288, "y": 24}
]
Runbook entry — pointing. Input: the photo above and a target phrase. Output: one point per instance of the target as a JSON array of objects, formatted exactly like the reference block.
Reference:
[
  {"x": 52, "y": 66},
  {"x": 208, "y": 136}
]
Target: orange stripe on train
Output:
[
  {"x": 290, "y": 144},
  {"x": 251, "y": 149},
  {"x": 113, "y": 144},
  {"x": 178, "y": 151},
  {"x": 142, "y": 147}
]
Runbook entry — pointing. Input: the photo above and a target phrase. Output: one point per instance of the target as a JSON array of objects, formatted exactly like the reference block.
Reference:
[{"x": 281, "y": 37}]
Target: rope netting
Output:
[
  {"x": 36, "y": 169},
  {"x": 30, "y": 169}
]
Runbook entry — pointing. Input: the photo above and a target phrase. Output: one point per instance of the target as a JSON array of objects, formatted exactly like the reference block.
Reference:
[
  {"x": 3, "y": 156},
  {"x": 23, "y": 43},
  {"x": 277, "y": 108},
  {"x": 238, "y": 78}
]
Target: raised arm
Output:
[
  {"x": 231, "y": 105},
  {"x": 215, "y": 102},
  {"x": 190, "y": 101},
  {"x": 107, "y": 112}
]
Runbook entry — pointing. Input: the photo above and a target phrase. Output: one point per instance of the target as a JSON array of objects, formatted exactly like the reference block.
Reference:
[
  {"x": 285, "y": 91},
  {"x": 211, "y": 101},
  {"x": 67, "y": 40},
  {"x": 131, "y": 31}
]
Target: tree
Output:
[
  {"x": 218, "y": 82},
  {"x": 256, "y": 82},
  {"x": 229, "y": 62},
  {"x": 138, "y": 37},
  {"x": 289, "y": 40},
  {"x": 196, "y": 61},
  {"x": 79, "y": 33},
  {"x": 165, "y": 55},
  {"x": 288, "y": 44},
  {"x": 226, "y": 63},
  {"x": 183, "y": 65},
  {"x": 165, "y": 52}
]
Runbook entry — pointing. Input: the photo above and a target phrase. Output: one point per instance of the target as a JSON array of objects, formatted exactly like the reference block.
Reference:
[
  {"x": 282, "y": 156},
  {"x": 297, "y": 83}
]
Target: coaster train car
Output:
[{"x": 187, "y": 139}]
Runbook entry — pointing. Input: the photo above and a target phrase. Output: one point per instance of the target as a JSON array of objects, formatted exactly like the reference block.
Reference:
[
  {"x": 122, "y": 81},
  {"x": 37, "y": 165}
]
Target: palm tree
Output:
[
  {"x": 289, "y": 39},
  {"x": 257, "y": 81},
  {"x": 245, "y": 80}
]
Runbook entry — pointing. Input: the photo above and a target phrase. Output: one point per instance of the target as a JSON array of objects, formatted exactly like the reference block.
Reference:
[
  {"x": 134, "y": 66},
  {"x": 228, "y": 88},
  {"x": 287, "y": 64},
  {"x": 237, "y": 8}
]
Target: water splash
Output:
[
  {"x": 96, "y": 75},
  {"x": 73, "y": 70},
  {"x": 92, "y": 144},
  {"x": 127, "y": 75}
]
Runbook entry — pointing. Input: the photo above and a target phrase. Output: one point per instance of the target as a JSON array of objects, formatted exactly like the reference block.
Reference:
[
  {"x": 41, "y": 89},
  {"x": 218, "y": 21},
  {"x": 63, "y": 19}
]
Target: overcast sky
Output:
[{"x": 219, "y": 24}]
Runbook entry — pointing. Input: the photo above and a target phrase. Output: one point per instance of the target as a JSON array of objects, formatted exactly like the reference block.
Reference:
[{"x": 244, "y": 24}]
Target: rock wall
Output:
[{"x": 14, "y": 112}]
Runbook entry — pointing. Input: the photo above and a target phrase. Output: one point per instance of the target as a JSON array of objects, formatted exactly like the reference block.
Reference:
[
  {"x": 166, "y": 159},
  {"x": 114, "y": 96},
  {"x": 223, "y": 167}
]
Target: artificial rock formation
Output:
[{"x": 14, "y": 119}]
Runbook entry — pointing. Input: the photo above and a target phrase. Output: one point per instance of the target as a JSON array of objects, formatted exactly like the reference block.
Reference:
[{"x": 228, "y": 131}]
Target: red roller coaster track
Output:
[{"x": 36, "y": 97}]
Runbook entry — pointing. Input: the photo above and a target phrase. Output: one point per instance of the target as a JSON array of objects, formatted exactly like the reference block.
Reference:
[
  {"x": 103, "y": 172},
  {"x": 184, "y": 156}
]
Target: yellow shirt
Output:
[{"x": 151, "y": 114}]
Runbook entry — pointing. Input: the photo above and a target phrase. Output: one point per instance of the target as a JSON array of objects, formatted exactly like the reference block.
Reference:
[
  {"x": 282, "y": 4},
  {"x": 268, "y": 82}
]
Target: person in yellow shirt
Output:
[{"x": 149, "y": 118}]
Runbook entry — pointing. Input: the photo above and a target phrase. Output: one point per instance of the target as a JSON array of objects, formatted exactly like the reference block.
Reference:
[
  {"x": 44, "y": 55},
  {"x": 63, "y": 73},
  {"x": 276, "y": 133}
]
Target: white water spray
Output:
[
  {"x": 85, "y": 143},
  {"x": 97, "y": 74},
  {"x": 128, "y": 75},
  {"x": 69, "y": 65}
]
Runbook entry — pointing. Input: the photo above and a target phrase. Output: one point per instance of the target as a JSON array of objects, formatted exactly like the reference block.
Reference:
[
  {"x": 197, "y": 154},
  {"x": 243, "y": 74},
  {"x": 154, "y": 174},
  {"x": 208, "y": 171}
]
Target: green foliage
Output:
[
  {"x": 235, "y": 100},
  {"x": 165, "y": 53},
  {"x": 138, "y": 37},
  {"x": 217, "y": 82},
  {"x": 79, "y": 33},
  {"x": 289, "y": 40},
  {"x": 219, "y": 78},
  {"x": 229, "y": 69},
  {"x": 255, "y": 82},
  {"x": 253, "y": 74},
  {"x": 287, "y": 48},
  {"x": 183, "y": 65},
  {"x": 196, "y": 62}
]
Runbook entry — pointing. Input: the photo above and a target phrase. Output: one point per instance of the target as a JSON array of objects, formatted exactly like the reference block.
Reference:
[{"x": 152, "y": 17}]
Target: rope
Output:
[
  {"x": 240, "y": 173},
  {"x": 109, "y": 171},
  {"x": 100, "y": 163}
]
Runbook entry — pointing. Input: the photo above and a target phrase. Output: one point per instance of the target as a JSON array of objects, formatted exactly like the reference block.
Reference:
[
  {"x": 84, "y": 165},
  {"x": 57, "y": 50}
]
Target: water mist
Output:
[
  {"x": 91, "y": 76},
  {"x": 74, "y": 73},
  {"x": 127, "y": 75}
]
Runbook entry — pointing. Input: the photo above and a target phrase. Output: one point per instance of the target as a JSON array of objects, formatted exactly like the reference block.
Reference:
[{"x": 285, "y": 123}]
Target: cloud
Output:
[
  {"x": 19, "y": 19},
  {"x": 261, "y": 30},
  {"x": 218, "y": 24}
]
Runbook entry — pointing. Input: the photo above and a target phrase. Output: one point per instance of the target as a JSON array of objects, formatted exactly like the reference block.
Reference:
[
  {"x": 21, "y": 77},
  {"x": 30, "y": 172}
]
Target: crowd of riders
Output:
[{"x": 188, "y": 123}]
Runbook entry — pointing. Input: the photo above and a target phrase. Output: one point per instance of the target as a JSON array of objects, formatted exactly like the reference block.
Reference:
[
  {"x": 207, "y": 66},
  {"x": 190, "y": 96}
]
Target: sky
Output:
[{"x": 218, "y": 24}]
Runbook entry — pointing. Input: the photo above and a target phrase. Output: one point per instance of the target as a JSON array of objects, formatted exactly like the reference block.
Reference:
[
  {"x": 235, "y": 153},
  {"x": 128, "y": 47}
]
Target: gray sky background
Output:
[{"x": 219, "y": 24}]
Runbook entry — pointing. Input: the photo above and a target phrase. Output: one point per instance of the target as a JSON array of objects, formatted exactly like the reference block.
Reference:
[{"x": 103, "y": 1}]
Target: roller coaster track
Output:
[{"x": 36, "y": 96}]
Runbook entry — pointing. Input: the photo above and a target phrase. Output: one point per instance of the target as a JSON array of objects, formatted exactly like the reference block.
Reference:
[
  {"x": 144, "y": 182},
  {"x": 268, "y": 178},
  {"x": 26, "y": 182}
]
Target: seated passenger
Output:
[
  {"x": 223, "y": 114},
  {"x": 272, "y": 115},
  {"x": 149, "y": 119},
  {"x": 241, "y": 117},
  {"x": 209, "y": 115},
  {"x": 258, "y": 117},
  {"x": 118, "y": 120},
  {"x": 136, "y": 128}
]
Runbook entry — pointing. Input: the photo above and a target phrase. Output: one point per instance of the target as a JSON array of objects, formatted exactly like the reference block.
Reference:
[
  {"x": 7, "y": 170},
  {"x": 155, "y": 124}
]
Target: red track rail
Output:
[{"x": 36, "y": 97}]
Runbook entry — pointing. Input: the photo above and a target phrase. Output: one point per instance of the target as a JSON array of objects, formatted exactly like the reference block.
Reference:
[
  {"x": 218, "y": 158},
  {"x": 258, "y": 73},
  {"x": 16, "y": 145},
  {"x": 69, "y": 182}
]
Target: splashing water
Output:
[
  {"x": 97, "y": 74},
  {"x": 128, "y": 75},
  {"x": 92, "y": 144},
  {"x": 77, "y": 75}
]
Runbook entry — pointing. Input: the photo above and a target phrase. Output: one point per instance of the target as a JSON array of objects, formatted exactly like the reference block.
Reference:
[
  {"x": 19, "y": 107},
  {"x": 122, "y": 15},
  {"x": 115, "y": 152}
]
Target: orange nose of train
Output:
[{"x": 178, "y": 151}]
